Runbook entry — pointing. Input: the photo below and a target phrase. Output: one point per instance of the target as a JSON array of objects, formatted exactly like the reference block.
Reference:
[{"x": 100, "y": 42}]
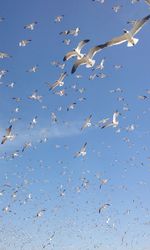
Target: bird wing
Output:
[
  {"x": 62, "y": 76},
  {"x": 83, "y": 60},
  {"x": 116, "y": 40},
  {"x": 94, "y": 50},
  {"x": 69, "y": 55},
  {"x": 115, "y": 115},
  {"x": 82, "y": 44},
  {"x": 54, "y": 85},
  {"x": 4, "y": 139},
  {"x": 139, "y": 24},
  {"x": 8, "y": 130}
]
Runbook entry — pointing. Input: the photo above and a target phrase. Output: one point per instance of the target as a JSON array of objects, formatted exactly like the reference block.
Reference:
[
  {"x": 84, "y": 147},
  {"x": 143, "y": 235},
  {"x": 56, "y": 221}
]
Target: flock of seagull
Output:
[{"x": 89, "y": 62}]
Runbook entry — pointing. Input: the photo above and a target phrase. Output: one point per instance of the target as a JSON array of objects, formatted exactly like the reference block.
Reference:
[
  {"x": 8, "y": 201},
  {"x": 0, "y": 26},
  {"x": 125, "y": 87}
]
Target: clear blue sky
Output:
[{"x": 47, "y": 176}]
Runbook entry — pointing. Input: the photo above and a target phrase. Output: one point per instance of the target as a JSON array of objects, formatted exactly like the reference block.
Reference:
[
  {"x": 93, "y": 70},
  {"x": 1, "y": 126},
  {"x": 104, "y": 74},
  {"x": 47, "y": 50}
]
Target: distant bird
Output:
[
  {"x": 60, "y": 93},
  {"x": 8, "y": 135},
  {"x": 35, "y": 96},
  {"x": 76, "y": 51},
  {"x": 88, "y": 58},
  {"x": 59, "y": 82},
  {"x": 4, "y": 55},
  {"x": 128, "y": 36},
  {"x": 82, "y": 151},
  {"x": 3, "y": 72},
  {"x": 58, "y": 19},
  {"x": 53, "y": 117},
  {"x": 33, "y": 69},
  {"x": 100, "y": 66},
  {"x": 71, "y": 106},
  {"x": 114, "y": 123},
  {"x": 116, "y": 8},
  {"x": 30, "y": 26},
  {"x": 87, "y": 122},
  {"x": 74, "y": 32},
  {"x": 23, "y": 43},
  {"x": 26, "y": 145},
  {"x": 103, "y": 207}
]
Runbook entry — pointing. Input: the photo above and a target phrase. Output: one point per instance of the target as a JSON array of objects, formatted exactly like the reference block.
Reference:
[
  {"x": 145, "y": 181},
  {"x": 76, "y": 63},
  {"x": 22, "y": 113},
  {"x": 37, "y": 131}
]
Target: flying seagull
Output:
[
  {"x": 8, "y": 135},
  {"x": 87, "y": 122},
  {"x": 59, "y": 82},
  {"x": 76, "y": 51},
  {"x": 82, "y": 151},
  {"x": 128, "y": 36},
  {"x": 114, "y": 121},
  {"x": 88, "y": 58}
]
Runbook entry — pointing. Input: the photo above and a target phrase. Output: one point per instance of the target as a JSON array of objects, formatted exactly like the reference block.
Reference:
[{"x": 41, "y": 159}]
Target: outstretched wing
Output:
[
  {"x": 82, "y": 44},
  {"x": 94, "y": 50},
  {"x": 69, "y": 55},
  {"x": 139, "y": 24}
]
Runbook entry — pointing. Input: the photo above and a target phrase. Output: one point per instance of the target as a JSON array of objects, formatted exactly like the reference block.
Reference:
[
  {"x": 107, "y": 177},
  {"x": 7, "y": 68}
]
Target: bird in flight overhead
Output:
[
  {"x": 76, "y": 51},
  {"x": 114, "y": 121},
  {"x": 82, "y": 151},
  {"x": 128, "y": 36},
  {"x": 88, "y": 58},
  {"x": 8, "y": 135},
  {"x": 59, "y": 82}
]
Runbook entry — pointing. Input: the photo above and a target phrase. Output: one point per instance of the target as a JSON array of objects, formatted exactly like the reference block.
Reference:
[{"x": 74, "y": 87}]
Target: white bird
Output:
[
  {"x": 128, "y": 36},
  {"x": 8, "y": 135},
  {"x": 33, "y": 69},
  {"x": 30, "y": 26},
  {"x": 76, "y": 51},
  {"x": 87, "y": 122},
  {"x": 82, "y": 151},
  {"x": 59, "y": 82},
  {"x": 23, "y": 43},
  {"x": 74, "y": 32},
  {"x": 58, "y": 19},
  {"x": 88, "y": 58},
  {"x": 4, "y": 55},
  {"x": 100, "y": 66},
  {"x": 114, "y": 121},
  {"x": 35, "y": 96}
]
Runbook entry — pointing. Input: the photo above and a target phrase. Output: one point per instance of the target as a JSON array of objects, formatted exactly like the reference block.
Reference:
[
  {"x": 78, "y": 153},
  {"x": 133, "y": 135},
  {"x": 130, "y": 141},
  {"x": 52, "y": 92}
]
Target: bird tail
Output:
[{"x": 130, "y": 44}]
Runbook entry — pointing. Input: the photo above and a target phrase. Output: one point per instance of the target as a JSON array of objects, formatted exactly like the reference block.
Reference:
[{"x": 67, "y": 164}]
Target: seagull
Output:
[
  {"x": 59, "y": 82},
  {"x": 71, "y": 106},
  {"x": 58, "y": 19},
  {"x": 100, "y": 66},
  {"x": 8, "y": 135},
  {"x": 4, "y": 55},
  {"x": 30, "y": 26},
  {"x": 35, "y": 96},
  {"x": 76, "y": 51},
  {"x": 33, "y": 69},
  {"x": 82, "y": 151},
  {"x": 74, "y": 32},
  {"x": 23, "y": 43},
  {"x": 88, "y": 58},
  {"x": 128, "y": 36},
  {"x": 87, "y": 122},
  {"x": 114, "y": 121}
]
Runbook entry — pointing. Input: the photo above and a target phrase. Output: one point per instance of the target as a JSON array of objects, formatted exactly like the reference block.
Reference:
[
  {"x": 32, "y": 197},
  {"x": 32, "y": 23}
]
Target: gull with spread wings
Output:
[{"x": 128, "y": 36}]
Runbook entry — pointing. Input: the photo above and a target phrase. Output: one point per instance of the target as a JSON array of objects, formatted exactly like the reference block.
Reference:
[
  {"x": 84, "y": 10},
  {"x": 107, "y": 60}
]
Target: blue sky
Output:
[{"x": 46, "y": 177}]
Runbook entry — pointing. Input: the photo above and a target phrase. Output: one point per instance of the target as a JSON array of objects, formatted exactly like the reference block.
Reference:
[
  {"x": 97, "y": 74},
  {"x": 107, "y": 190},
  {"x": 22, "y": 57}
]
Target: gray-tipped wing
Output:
[
  {"x": 83, "y": 60},
  {"x": 117, "y": 40},
  {"x": 69, "y": 55},
  {"x": 139, "y": 24},
  {"x": 62, "y": 76},
  {"x": 94, "y": 50},
  {"x": 82, "y": 44}
]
